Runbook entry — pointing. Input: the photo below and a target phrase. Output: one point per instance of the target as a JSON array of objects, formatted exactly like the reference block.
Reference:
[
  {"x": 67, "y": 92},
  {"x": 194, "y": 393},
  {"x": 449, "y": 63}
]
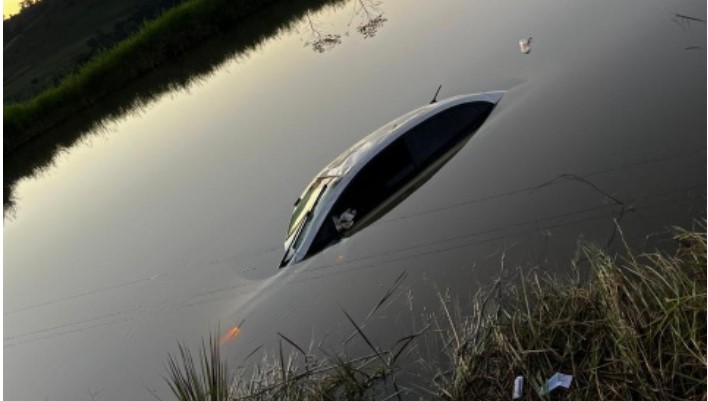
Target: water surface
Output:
[{"x": 169, "y": 222}]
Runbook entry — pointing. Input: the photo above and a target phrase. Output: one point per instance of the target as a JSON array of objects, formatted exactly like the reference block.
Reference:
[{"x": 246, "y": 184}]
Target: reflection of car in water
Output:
[{"x": 381, "y": 170}]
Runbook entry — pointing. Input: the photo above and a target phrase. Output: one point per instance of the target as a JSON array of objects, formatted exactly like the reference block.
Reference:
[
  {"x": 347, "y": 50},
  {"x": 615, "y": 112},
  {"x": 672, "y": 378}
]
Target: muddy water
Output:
[{"x": 167, "y": 224}]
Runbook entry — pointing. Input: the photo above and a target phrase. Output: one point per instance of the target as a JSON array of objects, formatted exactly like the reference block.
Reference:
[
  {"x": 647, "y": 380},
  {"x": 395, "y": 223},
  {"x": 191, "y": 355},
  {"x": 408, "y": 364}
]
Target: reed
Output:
[
  {"x": 203, "y": 380},
  {"x": 634, "y": 329}
]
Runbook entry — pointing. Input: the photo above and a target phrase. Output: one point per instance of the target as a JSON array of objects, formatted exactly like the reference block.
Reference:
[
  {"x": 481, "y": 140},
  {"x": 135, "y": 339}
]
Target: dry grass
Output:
[{"x": 636, "y": 329}]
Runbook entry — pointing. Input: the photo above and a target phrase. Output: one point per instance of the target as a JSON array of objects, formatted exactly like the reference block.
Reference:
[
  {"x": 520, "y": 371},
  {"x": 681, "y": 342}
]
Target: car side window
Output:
[
  {"x": 379, "y": 178},
  {"x": 433, "y": 136}
]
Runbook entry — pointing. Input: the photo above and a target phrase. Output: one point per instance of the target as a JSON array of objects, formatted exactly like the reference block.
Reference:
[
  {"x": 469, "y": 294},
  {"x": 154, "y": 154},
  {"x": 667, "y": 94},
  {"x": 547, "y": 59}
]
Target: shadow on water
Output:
[{"x": 39, "y": 154}]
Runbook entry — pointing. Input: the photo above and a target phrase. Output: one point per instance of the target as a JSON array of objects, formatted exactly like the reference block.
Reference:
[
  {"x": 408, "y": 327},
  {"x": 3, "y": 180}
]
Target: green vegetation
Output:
[
  {"x": 157, "y": 43},
  {"x": 48, "y": 39},
  {"x": 634, "y": 329},
  {"x": 43, "y": 127}
]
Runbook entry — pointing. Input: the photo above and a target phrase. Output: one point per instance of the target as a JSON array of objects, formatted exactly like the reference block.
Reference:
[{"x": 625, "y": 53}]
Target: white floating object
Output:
[
  {"x": 518, "y": 388},
  {"x": 557, "y": 380},
  {"x": 525, "y": 45}
]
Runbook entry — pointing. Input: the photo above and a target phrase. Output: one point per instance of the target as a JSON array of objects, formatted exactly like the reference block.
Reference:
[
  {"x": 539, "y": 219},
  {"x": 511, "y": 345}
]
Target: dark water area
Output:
[{"x": 167, "y": 224}]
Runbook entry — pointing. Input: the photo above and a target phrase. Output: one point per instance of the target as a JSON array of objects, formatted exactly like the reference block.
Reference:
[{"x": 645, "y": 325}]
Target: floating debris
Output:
[
  {"x": 525, "y": 45},
  {"x": 557, "y": 380},
  {"x": 231, "y": 333},
  {"x": 518, "y": 388}
]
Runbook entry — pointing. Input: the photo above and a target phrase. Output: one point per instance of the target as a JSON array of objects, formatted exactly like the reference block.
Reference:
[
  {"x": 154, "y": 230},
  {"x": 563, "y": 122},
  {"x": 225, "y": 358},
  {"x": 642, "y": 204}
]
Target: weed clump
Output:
[{"x": 634, "y": 329}]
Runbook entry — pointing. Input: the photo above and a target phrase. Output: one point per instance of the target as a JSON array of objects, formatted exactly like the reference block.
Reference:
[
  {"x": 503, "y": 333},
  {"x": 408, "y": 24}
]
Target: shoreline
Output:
[
  {"x": 159, "y": 42},
  {"x": 40, "y": 142},
  {"x": 634, "y": 328}
]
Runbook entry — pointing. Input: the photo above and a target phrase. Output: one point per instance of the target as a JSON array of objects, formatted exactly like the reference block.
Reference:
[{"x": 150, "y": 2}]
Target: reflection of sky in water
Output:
[{"x": 151, "y": 228}]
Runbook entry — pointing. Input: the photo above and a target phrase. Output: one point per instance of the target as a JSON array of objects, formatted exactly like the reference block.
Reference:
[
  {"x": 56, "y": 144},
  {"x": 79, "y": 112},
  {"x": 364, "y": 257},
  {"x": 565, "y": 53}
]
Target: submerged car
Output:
[{"x": 381, "y": 170}]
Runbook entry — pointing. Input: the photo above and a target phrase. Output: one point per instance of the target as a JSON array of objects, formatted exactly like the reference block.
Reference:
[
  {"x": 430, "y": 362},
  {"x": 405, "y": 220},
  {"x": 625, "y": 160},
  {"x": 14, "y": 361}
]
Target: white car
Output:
[{"x": 381, "y": 170}]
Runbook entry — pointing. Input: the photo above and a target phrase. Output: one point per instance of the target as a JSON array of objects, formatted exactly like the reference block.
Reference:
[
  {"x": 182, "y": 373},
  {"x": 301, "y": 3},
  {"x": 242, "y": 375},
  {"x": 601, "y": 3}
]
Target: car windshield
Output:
[{"x": 307, "y": 202}]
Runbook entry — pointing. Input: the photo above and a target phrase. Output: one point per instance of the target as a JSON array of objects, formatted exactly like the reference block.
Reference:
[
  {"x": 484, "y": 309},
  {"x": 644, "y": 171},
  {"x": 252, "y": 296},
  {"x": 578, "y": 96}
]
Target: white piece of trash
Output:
[
  {"x": 557, "y": 380},
  {"x": 525, "y": 45},
  {"x": 518, "y": 388}
]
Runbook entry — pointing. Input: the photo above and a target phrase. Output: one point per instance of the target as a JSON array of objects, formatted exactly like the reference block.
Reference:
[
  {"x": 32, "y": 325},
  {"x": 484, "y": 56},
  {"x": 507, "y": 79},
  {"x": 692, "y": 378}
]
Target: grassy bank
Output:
[
  {"x": 50, "y": 38},
  {"x": 157, "y": 43},
  {"x": 183, "y": 71},
  {"x": 635, "y": 329}
]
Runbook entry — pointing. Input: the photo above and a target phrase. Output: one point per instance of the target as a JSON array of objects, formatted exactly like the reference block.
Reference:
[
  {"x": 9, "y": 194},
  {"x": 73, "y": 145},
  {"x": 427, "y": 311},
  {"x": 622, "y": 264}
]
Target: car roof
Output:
[{"x": 363, "y": 150}]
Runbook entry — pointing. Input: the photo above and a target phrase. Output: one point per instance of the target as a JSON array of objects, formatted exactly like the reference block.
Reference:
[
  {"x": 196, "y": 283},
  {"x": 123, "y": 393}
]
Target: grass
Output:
[
  {"x": 634, "y": 329},
  {"x": 205, "y": 380},
  {"x": 44, "y": 41},
  {"x": 157, "y": 43},
  {"x": 153, "y": 45},
  {"x": 37, "y": 141}
]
